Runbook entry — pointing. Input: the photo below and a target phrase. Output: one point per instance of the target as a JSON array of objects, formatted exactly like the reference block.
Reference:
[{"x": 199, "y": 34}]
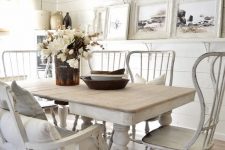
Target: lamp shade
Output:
[{"x": 42, "y": 20}]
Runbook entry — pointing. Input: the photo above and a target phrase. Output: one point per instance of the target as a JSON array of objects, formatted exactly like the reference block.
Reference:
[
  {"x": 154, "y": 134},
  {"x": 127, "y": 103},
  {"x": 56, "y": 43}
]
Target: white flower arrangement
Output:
[{"x": 68, "y": 45}]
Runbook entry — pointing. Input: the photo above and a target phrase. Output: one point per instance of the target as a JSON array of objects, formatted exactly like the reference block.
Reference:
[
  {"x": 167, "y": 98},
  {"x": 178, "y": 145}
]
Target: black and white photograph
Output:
[
  {"x": 197, "y": 18},
  {"x": 150, "y": 19}
]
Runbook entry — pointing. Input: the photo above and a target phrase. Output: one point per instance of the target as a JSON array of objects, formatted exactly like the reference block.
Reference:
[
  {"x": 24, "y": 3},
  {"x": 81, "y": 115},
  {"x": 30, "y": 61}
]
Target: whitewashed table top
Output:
[{"x": 133, "y": 98}]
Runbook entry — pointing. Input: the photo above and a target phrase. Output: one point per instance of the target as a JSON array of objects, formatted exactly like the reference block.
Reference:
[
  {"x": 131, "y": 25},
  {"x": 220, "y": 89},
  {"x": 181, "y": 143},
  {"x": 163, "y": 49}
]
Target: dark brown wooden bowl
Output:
[
  {"x": 105, "y": 85},
  {"x": 115, "y": 72}
]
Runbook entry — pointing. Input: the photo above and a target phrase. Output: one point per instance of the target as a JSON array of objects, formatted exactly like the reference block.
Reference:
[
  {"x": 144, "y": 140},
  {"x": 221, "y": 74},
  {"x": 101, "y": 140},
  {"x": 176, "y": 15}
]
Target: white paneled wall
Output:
[{"x": 82, "y": 13}]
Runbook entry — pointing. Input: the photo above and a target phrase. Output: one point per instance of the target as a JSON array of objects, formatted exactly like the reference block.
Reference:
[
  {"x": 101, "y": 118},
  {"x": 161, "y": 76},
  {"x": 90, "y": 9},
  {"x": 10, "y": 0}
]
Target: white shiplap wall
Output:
[{"x": 81, "y": 12}]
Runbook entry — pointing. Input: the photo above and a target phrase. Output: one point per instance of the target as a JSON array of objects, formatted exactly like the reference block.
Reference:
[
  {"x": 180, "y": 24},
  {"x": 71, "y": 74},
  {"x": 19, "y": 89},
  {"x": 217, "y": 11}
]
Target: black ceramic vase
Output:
[{"x": 67, "y": 22}]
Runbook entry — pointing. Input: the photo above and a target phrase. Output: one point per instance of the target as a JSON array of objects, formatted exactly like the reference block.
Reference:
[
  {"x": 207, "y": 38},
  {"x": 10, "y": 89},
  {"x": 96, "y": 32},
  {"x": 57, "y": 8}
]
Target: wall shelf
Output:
[
  {"x": 148, "y": 43},
  {"x": 205, "y": 40}
]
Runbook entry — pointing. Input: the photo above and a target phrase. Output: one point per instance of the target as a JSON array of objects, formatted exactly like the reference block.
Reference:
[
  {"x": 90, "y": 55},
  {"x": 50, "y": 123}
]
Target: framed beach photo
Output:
[
  {"x": 198, "y": 18},
  {"x": 150, "y": 19},
  {"x": 118, "y": 21}
]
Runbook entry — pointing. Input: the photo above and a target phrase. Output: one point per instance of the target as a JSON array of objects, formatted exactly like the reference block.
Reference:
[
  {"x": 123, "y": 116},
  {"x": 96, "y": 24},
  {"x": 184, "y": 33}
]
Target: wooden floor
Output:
[{"x": 219, "y": 145}]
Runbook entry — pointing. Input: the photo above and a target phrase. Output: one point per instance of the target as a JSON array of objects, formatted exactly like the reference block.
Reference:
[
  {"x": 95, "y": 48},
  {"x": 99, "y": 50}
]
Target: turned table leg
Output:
[
  {"x": 120, "y": 137},
  {"x": 86, "y": 122},
  {"x": 62, "y": 112},
  {"x": 166, "y": 118}
]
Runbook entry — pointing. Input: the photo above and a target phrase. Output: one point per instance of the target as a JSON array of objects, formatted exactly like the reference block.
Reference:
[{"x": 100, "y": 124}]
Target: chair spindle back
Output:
[
  {"x": 106, "y": 60},
  {"x": 208, "y": 122},
  {"x": 151, "y": 64}
]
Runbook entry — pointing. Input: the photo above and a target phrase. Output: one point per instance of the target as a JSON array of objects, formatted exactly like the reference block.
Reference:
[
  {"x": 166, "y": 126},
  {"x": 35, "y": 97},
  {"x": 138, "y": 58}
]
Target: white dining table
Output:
[{"x": 129, "y": 106}]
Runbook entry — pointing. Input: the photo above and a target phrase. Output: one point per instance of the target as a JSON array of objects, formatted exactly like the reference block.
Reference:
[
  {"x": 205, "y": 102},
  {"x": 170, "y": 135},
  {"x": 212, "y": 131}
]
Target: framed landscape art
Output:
[
  {"x": 198, "y": 18},
  {"x": 150, "y": 19},
  {"x": 118, "y": 21}
]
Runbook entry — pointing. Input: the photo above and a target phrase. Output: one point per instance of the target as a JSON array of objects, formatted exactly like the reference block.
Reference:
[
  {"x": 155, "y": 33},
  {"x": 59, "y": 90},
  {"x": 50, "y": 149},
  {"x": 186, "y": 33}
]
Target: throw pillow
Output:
[
  {"x": 3, "y": 103},
  {"x": 37, "y": 130},
  {"x": 26, "y": 104},
  {"x": 157, "y": 81},
  {"x": 139, "y": 79}
]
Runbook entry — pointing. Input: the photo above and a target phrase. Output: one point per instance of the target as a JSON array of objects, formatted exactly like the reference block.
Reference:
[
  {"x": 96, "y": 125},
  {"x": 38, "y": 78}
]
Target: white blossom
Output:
[
  {"x": 46, "y": 52},
  {"x": 45, "y": 41},
  {"x": 73, "y": 63},
  {"x": 56, "y": 45},
  {"x": 89, "y": 47},
  {"x": 60, "y": 33},
  {"x": 65, "y": 49},
  {"x": 61, "y": 56},
  {"x": 71, "y": 51},
  {"x": 80, "y": 50},
  {"x": 69, "y": 32},
  {"x": 79, "y": 34},
  {"x": 87, "y": 40},
  {"x": 68, "y": 35},
  {"x": 86, "y": 55},
  {"x": 67, "y": 39}
]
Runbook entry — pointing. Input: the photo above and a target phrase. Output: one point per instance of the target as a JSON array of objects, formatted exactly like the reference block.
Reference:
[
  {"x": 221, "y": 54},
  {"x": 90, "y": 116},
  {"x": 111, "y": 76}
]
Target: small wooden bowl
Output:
[
  {"x": 105, "y": 85},
  {"x": 115, "y": 72}
]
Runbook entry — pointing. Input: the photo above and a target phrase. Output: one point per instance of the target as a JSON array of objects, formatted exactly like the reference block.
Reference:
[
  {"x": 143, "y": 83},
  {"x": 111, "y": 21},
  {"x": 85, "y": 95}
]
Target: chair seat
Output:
[
  {"x": 172, "y": 137},
  {"x": 64, "y": 132}
]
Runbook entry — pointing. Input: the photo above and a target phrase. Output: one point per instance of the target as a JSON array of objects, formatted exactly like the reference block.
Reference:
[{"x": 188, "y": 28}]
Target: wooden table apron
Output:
[{"x": 125, "y": 107}]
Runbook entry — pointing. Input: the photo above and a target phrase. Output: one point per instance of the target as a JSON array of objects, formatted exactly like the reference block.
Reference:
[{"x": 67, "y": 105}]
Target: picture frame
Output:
[
  {"x": 192, "y": 22},
  {"x": 99, "y": 22},
  {"x": 151, "y": 19},
  {"x": 117, "y": 22}
]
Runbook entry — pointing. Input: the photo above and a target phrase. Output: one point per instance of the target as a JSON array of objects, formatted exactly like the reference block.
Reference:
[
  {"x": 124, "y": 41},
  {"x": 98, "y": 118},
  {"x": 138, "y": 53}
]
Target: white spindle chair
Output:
[
  {"x": 24, "y": 64},
  {"x": 179, "y": 138},
  {"x": 90, "y": 138},
  {"x": 150, "y": 65}
]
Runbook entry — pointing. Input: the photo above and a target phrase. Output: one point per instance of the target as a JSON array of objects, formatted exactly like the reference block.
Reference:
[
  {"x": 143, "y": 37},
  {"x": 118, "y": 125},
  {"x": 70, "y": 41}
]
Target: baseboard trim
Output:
[{"x": 220, "y": 136}]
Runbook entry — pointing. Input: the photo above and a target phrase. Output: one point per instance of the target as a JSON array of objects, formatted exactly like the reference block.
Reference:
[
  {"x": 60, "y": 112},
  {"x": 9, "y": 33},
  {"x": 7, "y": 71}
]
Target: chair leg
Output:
[
  {"x": 111, "y": 140},
  {"x": 104, "y": 134},
  {"x": 75, "y": 123},
  {"x": 53, "y": 116},
  {"x": 146, "y": 127},
  {"x": 133, "y": 132}
]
